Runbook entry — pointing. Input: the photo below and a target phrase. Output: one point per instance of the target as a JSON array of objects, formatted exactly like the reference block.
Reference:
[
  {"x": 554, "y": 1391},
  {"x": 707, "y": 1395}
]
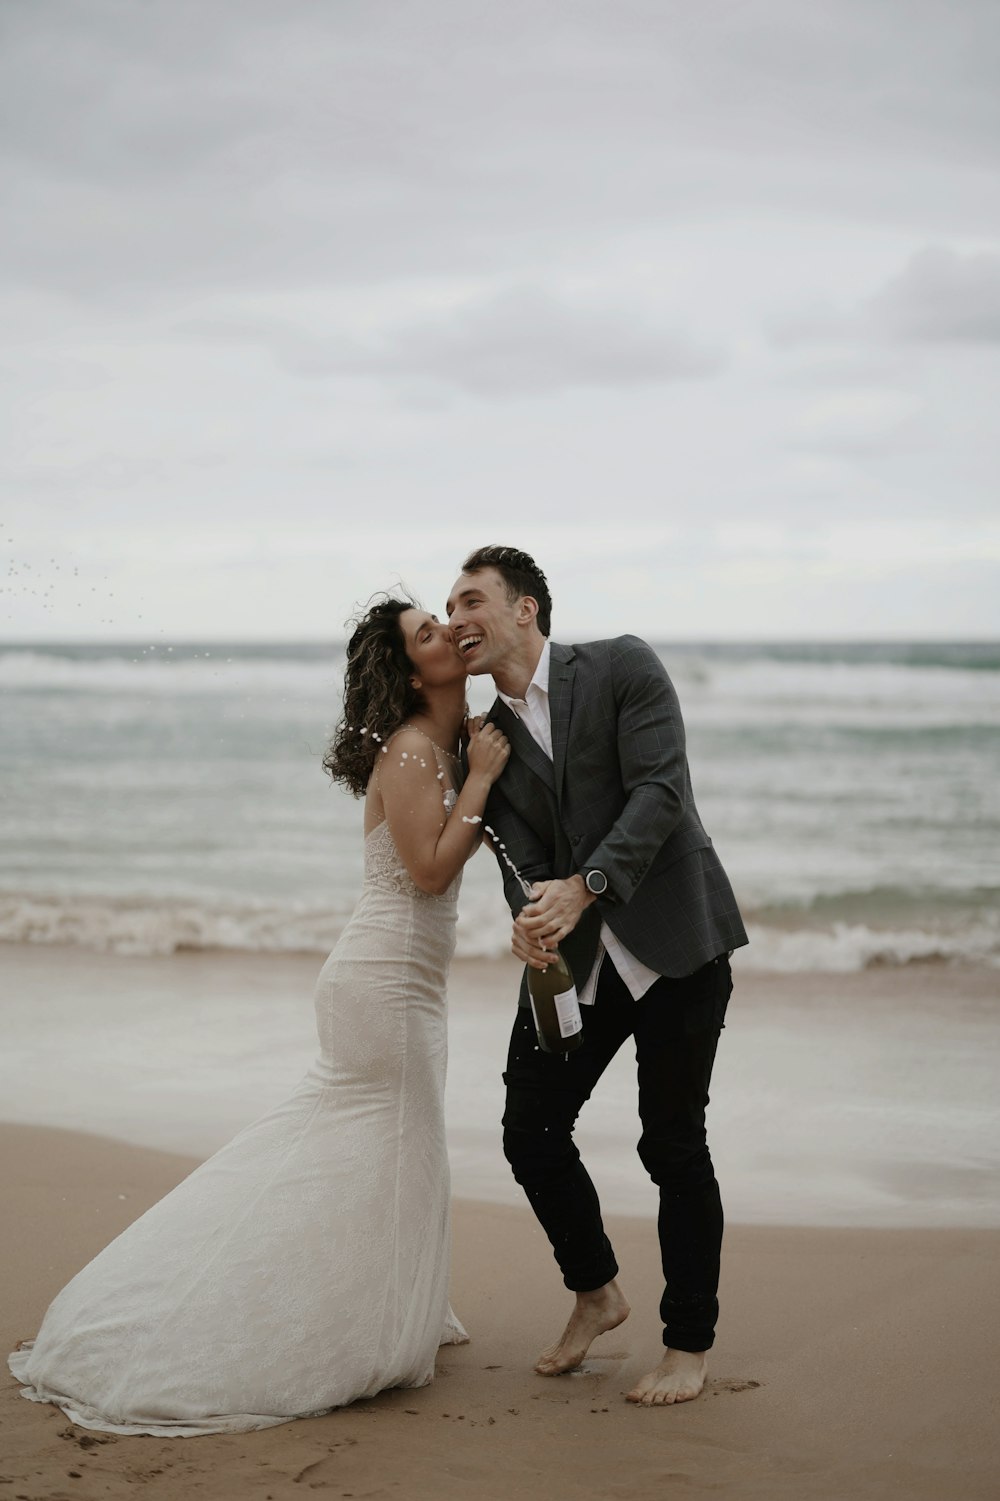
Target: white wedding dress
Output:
[{"x": 306, "y": 1264}]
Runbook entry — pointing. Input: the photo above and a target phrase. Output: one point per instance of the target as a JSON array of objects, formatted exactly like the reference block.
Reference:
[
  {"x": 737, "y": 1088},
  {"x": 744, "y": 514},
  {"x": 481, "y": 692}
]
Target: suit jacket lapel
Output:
[
  {"x": 523, "y": 741},
  {"x": 562, "y": 671}
]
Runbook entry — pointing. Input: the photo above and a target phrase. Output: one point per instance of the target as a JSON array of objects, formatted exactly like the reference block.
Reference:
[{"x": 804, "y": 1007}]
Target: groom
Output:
[{"x": 595, "y": 808}]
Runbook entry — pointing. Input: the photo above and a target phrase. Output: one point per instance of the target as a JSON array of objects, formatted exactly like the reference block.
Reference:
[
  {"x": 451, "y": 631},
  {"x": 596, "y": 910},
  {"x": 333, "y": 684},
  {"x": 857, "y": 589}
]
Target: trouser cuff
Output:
[{"x": 589, "y": 1282}]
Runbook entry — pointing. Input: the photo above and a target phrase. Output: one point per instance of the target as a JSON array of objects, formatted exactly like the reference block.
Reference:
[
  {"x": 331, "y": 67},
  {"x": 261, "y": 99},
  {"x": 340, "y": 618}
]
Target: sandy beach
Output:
[
  {"x": 849, "y": 1364},
  {"x": 853, "y": 1360}
]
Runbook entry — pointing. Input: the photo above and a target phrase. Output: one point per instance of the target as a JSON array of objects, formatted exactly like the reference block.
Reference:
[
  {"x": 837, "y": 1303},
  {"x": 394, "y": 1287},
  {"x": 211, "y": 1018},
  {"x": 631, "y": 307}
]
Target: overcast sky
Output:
[{"x": 699, "y": 302}]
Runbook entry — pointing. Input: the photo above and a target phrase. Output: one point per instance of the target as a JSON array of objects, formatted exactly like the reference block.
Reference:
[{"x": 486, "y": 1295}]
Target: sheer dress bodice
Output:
[{"x": 384, "y": 868}]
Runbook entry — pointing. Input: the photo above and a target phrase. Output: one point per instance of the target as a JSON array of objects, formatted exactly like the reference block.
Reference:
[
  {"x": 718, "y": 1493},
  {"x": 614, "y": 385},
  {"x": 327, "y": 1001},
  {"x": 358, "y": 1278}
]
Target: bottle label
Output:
[{"x": 568, "y": 1012}]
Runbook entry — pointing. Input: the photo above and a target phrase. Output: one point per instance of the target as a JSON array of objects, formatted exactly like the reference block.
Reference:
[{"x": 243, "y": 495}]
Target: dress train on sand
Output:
[{"x": 306, "y": 1264}]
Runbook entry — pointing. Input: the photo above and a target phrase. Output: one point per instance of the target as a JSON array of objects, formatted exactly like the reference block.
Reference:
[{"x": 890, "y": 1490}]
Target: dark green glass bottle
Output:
[{"x": 555, "y": 1007}]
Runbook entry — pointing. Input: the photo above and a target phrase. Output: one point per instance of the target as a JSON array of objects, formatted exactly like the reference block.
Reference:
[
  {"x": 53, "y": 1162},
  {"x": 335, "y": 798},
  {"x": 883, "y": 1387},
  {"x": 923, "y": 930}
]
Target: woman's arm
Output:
[{"x": 432, "y": 844}]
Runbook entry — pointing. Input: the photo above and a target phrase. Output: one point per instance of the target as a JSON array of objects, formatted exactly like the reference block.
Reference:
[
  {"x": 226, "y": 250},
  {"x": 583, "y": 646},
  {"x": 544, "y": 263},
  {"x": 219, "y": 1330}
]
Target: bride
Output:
[{"x": 306, "y": 1264}]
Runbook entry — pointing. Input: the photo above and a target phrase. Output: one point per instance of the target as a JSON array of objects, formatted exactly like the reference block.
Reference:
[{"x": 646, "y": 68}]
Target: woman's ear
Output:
[{"x": 416, "y": 684}]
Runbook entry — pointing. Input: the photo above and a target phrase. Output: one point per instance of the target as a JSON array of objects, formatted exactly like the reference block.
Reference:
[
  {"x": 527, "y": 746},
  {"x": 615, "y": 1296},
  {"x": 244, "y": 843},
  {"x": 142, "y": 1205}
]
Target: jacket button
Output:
[{"x": 574, "y": 839}]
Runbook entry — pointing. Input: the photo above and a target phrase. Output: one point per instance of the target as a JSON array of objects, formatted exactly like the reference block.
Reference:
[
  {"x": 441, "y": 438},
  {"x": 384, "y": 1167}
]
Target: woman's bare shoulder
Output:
[{"x": 407, "y": 757}]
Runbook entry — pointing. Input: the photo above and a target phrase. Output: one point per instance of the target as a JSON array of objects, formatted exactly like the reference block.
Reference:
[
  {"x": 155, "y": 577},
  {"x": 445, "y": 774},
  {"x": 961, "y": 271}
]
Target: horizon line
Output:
[{"x": 672, "y": 640}]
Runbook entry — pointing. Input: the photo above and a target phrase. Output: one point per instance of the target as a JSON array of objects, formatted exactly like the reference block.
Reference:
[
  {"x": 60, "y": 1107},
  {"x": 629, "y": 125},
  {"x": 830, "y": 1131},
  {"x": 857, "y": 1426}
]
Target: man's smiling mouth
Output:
[{"x": 467, "y": 644}]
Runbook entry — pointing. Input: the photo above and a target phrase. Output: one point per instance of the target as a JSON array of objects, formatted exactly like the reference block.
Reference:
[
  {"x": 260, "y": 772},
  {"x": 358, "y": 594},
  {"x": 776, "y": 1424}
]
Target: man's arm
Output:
[{"x": 652, "y": 757}]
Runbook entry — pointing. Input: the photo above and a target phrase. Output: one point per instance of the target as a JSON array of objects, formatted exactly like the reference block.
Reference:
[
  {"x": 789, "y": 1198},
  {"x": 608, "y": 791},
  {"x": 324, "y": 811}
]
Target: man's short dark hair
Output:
[{"x": 521, "y": 575}]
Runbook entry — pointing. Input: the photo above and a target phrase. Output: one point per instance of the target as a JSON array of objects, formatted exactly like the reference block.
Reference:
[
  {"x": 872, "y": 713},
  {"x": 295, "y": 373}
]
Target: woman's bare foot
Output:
[
  {"x": 595, "y": 1313},
  {"x": 679, "y": 1377}
]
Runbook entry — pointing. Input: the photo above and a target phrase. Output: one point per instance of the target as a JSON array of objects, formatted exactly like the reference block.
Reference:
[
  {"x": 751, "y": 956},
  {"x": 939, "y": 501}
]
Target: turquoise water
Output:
[{"x": 160, "y": 798}]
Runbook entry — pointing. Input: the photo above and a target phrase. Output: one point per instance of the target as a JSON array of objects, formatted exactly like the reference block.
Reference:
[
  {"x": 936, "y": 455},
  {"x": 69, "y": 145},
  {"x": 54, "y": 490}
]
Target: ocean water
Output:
[{"x": 163, "y": 798}]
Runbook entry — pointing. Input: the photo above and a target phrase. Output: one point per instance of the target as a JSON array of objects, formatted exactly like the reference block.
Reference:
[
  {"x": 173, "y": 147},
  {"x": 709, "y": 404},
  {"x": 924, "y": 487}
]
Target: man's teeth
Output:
[{"x": 468, "y": 642}]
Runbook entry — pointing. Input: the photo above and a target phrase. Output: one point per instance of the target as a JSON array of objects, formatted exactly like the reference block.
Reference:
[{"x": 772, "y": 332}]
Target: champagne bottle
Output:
[{"x": 555, "y": 1007}]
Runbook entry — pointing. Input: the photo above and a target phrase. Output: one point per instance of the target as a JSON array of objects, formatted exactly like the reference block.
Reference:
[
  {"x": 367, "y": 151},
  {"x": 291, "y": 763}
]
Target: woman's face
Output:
[{"x": 430, "y": 646}]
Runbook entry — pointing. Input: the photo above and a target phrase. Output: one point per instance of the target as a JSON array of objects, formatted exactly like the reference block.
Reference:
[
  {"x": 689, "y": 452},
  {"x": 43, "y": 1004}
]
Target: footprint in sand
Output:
[
  {"x": 720, "y": 1384},
  {"x": 599, "y": 1365},
  {"x": 87, "y": 1440}
]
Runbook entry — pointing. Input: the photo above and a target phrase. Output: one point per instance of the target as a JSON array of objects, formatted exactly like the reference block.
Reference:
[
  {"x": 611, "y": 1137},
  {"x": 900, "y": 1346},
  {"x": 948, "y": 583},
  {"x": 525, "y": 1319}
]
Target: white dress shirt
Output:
[{"x": 535, "y": 714}]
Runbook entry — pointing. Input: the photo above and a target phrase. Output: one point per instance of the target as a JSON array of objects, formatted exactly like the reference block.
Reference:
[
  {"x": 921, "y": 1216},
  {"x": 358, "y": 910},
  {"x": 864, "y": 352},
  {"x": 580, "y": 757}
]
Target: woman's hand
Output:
[{"x": 489, "y": 750}]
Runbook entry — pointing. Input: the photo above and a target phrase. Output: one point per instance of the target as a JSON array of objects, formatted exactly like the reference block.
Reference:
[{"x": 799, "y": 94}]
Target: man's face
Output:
[{"x": 483, "y": 620}]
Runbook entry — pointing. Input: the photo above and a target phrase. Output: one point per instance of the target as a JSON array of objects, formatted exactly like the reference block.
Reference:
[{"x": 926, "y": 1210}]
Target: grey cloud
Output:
[
  {"x": 161, "y": 147},
  {"x": 819, "y": 323},
  {"x": 861, "y": 435},
  {"x": 523, "y": 341},
  {"x": 941, "y": 297}
]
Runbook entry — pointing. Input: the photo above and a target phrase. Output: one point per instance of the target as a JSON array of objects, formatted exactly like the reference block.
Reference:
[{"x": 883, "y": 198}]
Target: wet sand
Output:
[{"x": 858, "y": 1099}]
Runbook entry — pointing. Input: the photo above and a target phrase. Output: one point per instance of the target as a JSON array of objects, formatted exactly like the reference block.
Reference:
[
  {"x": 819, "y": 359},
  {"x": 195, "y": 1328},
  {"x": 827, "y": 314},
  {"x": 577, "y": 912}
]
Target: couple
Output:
[{"x": 306, "y": 1264}]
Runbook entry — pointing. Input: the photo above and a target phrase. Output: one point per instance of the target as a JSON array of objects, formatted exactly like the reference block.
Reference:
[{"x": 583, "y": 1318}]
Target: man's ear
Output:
[{"x": 527, "y": 609}]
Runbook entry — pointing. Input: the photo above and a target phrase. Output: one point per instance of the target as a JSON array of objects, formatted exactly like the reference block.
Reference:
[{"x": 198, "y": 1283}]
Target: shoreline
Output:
[
  {"x": 850, "y": 934},
  {"x": 859, "y": 1099},
  {"x": 849, "y": 1363}
]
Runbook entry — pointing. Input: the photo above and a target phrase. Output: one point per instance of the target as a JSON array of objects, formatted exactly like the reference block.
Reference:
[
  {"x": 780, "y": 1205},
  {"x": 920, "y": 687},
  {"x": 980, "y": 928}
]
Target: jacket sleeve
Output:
[
  {"x": 522, "y": 847},
  {"x": 653, "y": 763}
]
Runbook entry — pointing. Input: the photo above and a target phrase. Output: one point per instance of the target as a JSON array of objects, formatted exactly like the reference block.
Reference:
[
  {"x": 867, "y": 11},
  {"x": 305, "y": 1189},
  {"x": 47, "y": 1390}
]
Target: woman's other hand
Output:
[{"x": 489, "y": 750}]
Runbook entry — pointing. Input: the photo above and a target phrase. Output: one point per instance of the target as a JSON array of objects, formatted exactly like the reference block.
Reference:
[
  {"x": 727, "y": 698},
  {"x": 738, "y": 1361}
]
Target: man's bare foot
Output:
[
  {"x": 679, "y": 1377},
  {"x": 595, "y": 1313}
]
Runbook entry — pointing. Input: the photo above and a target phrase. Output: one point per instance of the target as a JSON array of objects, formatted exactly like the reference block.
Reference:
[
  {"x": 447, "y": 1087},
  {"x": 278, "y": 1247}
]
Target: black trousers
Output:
[{"x": 676, "y": 1027}]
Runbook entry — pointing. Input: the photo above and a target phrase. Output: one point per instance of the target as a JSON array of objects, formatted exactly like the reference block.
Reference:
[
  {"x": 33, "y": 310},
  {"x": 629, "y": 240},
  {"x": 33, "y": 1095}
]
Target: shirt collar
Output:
[{"x": 540, "y": 679}]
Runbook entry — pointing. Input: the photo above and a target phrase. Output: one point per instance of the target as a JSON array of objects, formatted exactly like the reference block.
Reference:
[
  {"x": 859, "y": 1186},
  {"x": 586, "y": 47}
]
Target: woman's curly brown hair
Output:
[{"x": 378, "y": 694}]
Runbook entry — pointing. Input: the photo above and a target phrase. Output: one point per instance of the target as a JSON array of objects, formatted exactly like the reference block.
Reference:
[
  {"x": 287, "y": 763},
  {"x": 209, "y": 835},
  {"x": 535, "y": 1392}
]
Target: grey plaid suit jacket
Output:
[{"x": 616, "y": 795}]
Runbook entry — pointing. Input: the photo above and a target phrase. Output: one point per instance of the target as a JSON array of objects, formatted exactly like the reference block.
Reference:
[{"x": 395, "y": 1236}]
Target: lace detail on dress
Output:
[
  {"x": 384, "y": 868},
  {"x": 383, "y": 865}
]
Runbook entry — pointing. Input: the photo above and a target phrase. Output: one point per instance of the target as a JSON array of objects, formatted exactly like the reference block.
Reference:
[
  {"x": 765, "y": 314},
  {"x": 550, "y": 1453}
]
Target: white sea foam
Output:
[
  {"x": 161, "y": 672},
  {"x": 846, "y": 947},
  {"x": 715, "y": 688},
  {"x": 839, "y": 694},
  {"x": 139, "y": 927}
]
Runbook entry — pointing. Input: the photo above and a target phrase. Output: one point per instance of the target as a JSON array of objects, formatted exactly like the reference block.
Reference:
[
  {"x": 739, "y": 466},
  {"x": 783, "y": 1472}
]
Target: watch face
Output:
[{"x": 597, "y": 882}]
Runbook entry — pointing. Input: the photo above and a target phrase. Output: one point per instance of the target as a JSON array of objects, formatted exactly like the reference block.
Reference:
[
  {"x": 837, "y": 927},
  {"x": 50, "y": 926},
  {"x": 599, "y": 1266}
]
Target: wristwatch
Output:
[{"x": 596, "y": 882}]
